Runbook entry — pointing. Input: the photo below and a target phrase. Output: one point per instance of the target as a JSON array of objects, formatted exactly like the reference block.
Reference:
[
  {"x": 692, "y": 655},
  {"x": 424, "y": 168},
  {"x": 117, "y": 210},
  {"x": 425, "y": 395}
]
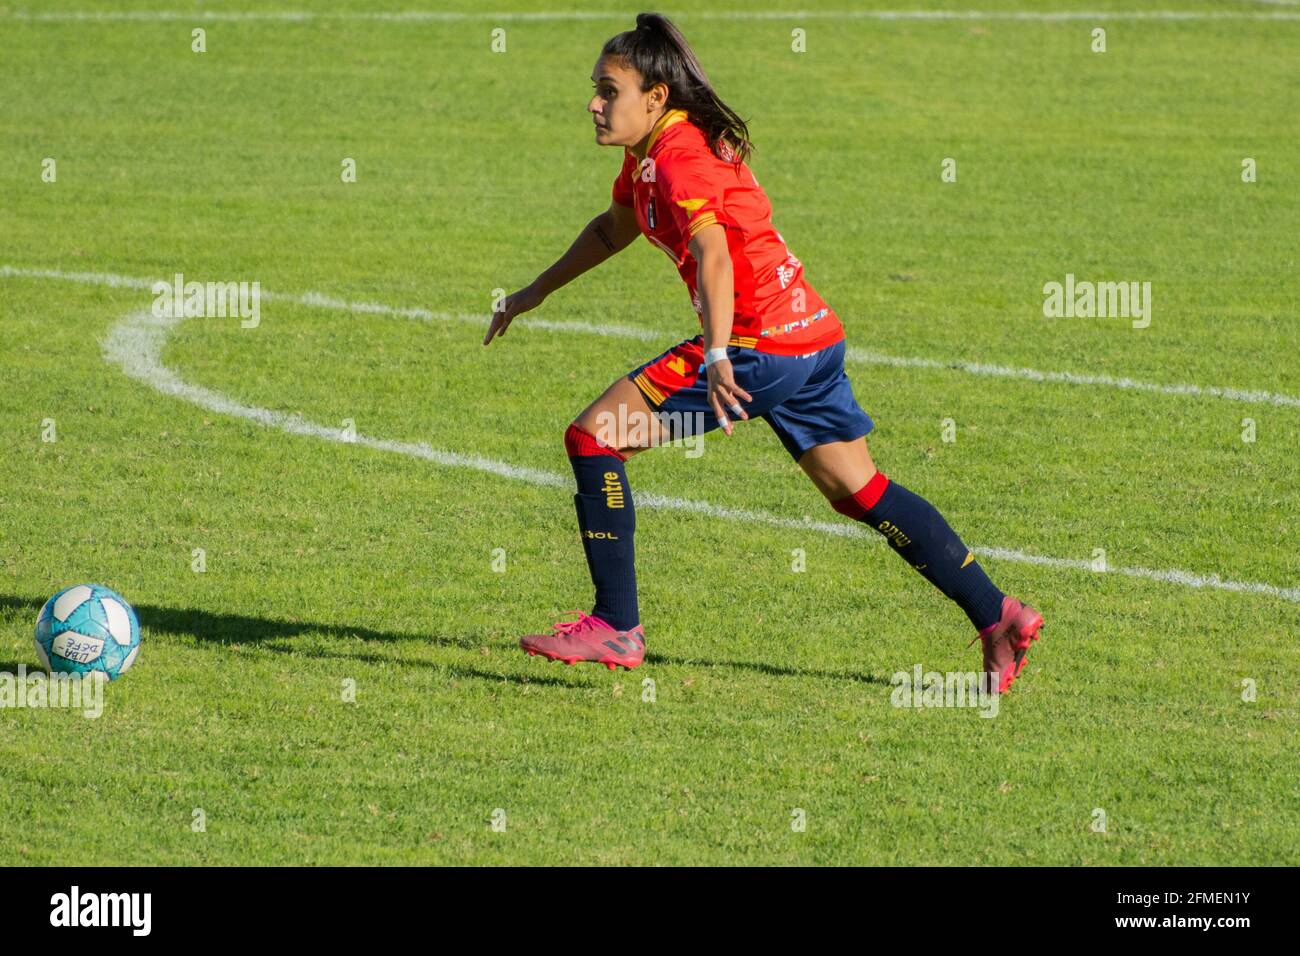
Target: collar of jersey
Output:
[{"x": 669, "y": 118}]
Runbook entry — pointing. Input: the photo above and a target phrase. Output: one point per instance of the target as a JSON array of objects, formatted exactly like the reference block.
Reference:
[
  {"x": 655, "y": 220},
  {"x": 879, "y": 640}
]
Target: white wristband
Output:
[{"x": 714, "y": 355}]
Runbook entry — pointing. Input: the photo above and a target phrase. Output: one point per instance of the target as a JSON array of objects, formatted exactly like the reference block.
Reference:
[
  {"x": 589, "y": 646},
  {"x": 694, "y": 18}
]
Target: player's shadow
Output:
[
  {"x": 442, "y": 667},
  {"x": 775, "y": 670},
  {"x": 243, "y": 629}
]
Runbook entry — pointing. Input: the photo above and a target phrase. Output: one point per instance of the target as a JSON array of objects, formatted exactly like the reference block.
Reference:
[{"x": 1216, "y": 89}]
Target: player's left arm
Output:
[{"x": 716, "y": 284}]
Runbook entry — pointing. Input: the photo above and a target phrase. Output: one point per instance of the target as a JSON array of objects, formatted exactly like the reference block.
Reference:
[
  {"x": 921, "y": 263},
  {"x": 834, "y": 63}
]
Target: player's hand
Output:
[
  {"x": 522, "y": 301},
  {"x": 725, "y": 394}
]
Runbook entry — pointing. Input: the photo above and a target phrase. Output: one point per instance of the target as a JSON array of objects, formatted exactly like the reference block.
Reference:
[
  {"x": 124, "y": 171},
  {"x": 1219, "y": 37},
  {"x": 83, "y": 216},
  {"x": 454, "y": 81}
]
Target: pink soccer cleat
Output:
[
  {"x": 1006, "y": 643},
  {"x": 588, "y": 638}
]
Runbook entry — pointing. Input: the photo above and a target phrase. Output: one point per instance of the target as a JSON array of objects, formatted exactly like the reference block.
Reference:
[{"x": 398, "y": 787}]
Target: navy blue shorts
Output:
[{"x": 807, "y": 399}]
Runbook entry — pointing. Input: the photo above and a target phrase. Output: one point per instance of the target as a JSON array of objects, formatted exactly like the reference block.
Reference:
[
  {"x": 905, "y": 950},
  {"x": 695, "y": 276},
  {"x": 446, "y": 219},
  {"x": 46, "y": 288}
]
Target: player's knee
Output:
[
  {"x": 579, "y": 440},
  {"x": 576, "y": 437},
  {"x": 856, "y": 504},
  {"x": 845, "y": 505}
]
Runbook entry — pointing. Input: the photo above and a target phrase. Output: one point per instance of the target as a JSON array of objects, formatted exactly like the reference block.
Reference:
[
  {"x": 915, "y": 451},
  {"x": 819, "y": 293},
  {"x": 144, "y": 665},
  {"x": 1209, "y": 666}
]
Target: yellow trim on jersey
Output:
[
  {"x": 648, "y": 389},
  {"x": 695, "y": 225},
  {"x": 666, "y": 120},
  {"x": 744, "y": 341}
]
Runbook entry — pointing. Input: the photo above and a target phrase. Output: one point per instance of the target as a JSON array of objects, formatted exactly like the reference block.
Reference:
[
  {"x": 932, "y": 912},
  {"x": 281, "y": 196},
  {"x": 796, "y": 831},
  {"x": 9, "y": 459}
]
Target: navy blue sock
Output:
[
  {"x": 916, "y": 530},
  {"x": 606, "y": 522}
]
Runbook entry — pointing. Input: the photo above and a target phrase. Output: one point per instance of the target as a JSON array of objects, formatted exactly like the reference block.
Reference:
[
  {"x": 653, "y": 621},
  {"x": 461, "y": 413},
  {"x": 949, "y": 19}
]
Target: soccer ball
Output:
[{"x": 88, "y": 629}]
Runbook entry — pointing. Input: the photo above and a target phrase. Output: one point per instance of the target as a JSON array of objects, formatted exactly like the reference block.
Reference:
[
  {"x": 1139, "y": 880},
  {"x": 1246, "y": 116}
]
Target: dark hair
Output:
[{"x": 657, "y": 50}]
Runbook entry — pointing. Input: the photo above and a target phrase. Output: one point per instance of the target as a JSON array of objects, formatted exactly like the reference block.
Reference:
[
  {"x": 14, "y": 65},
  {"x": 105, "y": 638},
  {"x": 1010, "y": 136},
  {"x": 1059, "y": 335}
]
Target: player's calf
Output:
[{"x": 920, "y": 535}]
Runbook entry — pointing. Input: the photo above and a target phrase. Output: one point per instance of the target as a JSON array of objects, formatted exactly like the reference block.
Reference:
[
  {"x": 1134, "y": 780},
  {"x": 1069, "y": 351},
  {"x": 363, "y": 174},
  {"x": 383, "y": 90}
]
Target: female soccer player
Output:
[{"x": 771, "y": 348}]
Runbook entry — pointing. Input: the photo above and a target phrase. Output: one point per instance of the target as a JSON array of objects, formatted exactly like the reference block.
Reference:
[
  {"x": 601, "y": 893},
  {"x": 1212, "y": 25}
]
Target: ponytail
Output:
[{"x": 657, "y": 50}]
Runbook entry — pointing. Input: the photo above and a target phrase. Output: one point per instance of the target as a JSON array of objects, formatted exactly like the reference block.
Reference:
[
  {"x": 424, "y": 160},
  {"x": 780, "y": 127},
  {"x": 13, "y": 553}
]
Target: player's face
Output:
[{"x": 623, "y": 115}]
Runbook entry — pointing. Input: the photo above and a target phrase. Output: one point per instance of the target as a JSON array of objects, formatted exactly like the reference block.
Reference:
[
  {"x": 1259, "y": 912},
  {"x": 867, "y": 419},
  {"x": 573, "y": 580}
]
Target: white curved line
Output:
[
  {"x": 135, "y": 345},
  {"x": 613, "y": 330}
]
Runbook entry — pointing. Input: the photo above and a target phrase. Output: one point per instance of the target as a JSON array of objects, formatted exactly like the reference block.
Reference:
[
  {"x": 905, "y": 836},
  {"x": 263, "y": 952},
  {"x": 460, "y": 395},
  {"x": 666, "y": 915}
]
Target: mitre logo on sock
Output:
[
  {"x": 895, "y": 534},
  {"x": 613, "y": 489}
]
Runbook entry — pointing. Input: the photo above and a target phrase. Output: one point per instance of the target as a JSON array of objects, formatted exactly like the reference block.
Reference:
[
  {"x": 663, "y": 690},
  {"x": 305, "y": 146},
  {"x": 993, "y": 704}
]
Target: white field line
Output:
[
  {"x": 613, "y": 330},
  {"x": 135, "y": 345},
  {"x": 417, "y": 16}
]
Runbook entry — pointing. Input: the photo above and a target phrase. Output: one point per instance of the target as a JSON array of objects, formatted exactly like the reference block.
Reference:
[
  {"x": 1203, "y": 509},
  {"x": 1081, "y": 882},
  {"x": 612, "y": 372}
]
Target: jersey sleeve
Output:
[
  {"x": 622, "y": 192},
  {"x": 691, "y": 189}
]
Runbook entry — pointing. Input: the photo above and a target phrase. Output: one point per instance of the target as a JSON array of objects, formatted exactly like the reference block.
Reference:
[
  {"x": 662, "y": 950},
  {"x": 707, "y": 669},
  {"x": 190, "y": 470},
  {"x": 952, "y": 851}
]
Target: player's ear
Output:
[{"x": 657, "y": 96}]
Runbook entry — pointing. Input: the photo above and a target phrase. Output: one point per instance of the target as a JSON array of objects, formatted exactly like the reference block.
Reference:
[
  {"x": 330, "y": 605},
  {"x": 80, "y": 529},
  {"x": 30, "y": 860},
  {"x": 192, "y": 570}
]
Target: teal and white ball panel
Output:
[
  {"x": 118, "y": 620},
  {"x": 40, "y": 652},
  {"x": 128, "y": 660},
  {"x": 69, "y": 599},
  {"x": 88, "y": 629}
]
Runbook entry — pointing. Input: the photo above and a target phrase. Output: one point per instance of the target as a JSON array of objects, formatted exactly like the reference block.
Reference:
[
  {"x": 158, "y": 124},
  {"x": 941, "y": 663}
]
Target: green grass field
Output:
[{"x": 330, "y": 562}]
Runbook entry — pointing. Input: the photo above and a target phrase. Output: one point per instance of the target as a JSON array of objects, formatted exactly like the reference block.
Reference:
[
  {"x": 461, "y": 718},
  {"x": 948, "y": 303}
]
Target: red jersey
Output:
[{"x": 680, "y": 187}]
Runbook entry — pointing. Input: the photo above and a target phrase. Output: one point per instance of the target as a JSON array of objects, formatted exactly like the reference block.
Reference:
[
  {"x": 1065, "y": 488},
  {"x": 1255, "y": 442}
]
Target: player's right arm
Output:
[{"x": 610, "y": 232}]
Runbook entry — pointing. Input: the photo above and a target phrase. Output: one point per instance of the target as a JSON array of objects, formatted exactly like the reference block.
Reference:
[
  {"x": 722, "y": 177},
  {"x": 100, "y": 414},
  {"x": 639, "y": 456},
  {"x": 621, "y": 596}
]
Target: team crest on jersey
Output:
[{"x": 651, "y": 219}]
